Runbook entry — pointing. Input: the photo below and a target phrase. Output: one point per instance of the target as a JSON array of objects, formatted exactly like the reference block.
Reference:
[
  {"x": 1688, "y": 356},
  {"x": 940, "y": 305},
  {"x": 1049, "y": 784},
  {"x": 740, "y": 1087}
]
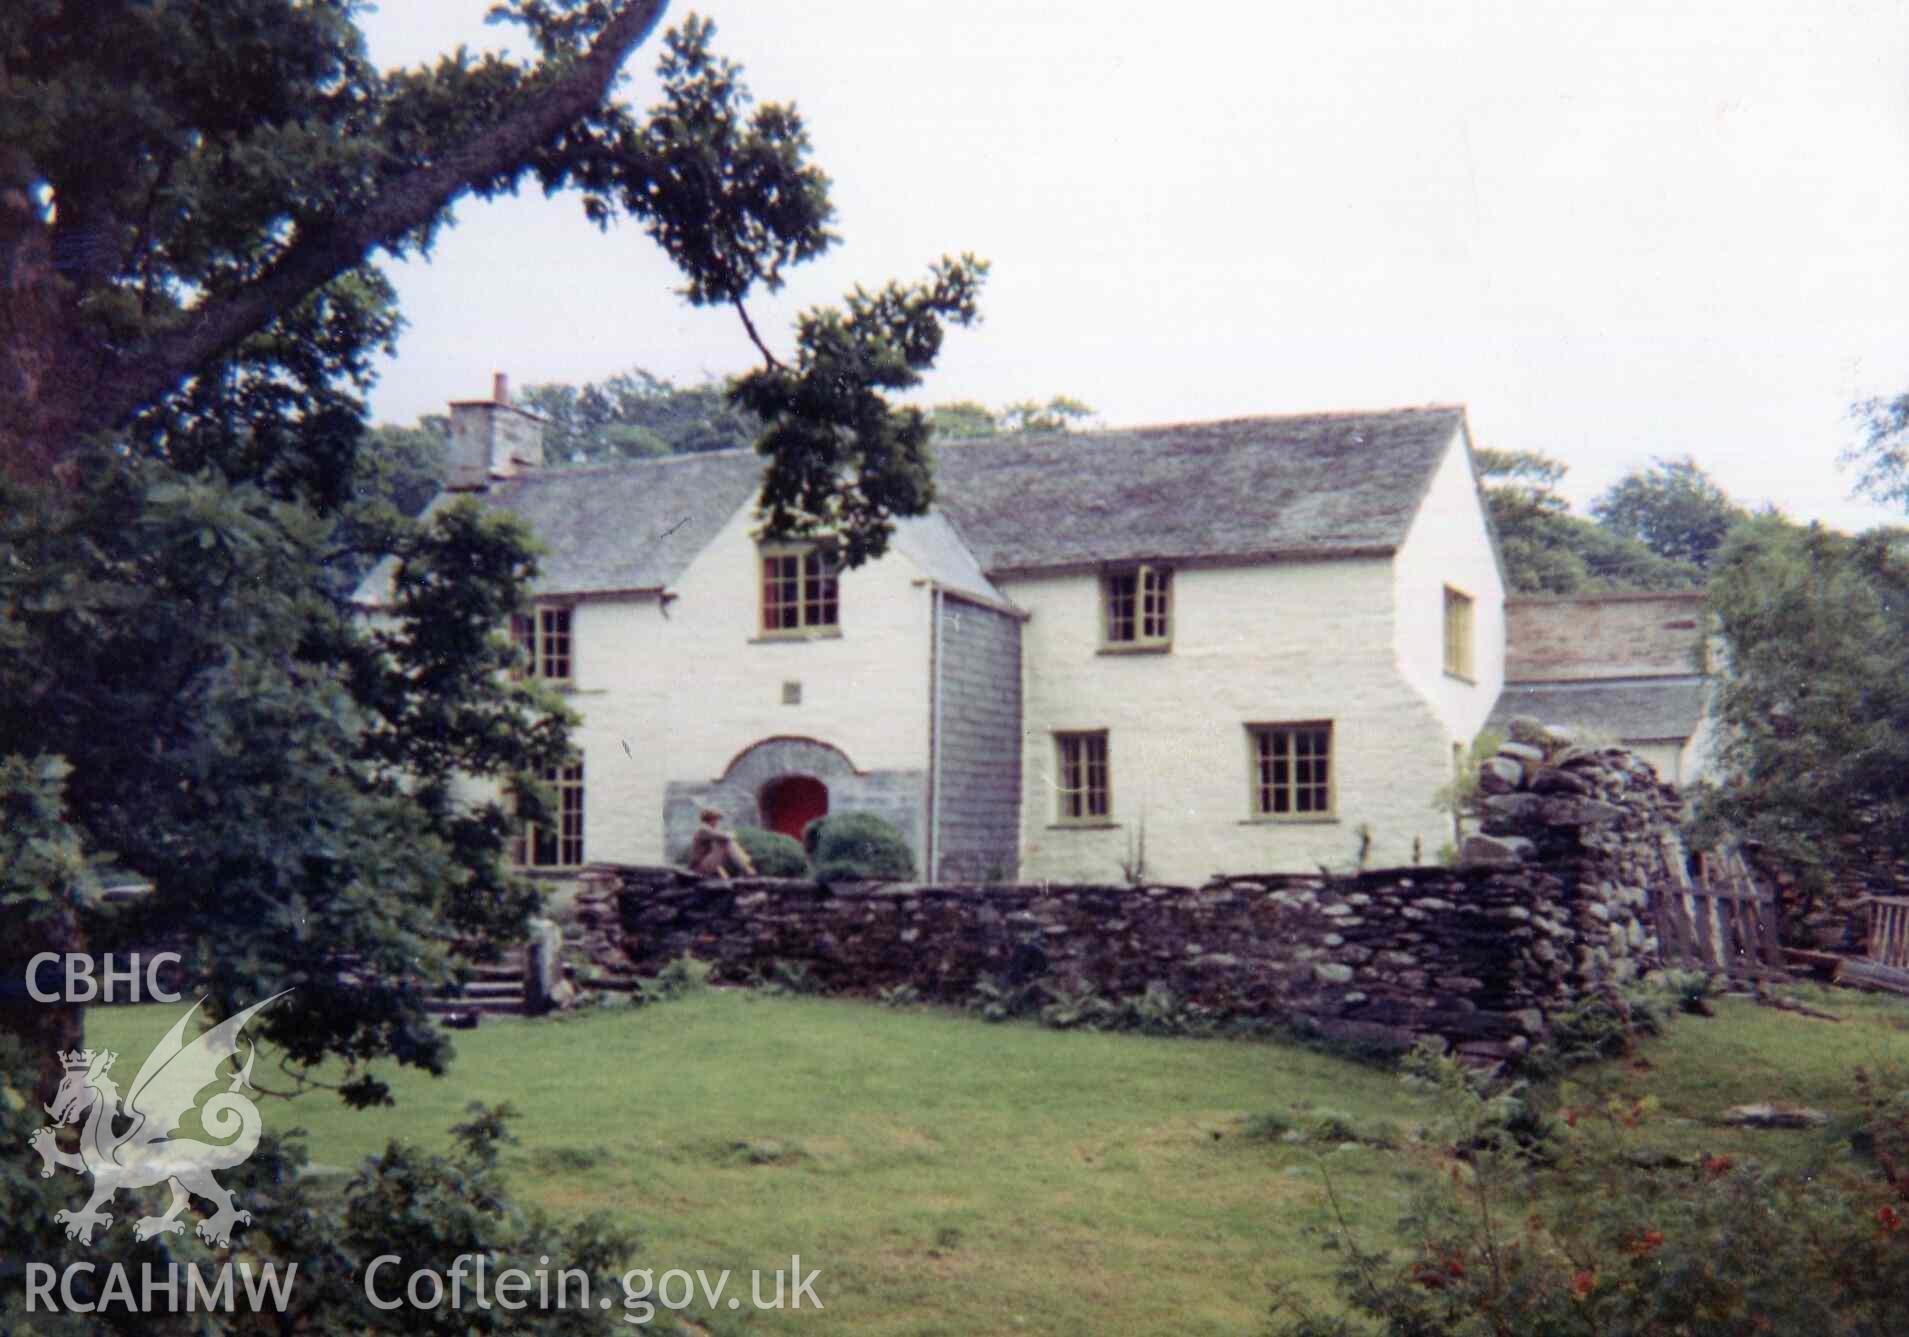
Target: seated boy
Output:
[{"x": 713, "y": 849}]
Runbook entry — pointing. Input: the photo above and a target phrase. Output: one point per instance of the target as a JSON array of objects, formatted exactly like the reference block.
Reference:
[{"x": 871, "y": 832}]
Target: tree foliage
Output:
[
  {"x": 1882, "y": 456},
  {"x": 968, "y": 420},
  {"x": 1548, "y": 550},
  {"x": 429, "y": 1209},
  {"x": 235, "y": 735},
  {"x": 1673, "y": 508},
  {"x": 189, "y": 196},
  {"x": 846, "y": 462},
  {"x": 1813, "y": 708},
  {"x": 636, "y": 414},
  {"x": 190, "y": 199}
]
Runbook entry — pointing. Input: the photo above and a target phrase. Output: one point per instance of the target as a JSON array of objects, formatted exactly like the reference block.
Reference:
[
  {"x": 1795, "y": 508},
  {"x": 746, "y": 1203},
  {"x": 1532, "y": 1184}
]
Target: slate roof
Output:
[
  {"x": 932, "y": 544},
  {"x": 1624, "y": 708},
  {"x": 633, "y": 526},
  {"x": 1314, "y": 485},
  {"x": 1318, "y": 485}
]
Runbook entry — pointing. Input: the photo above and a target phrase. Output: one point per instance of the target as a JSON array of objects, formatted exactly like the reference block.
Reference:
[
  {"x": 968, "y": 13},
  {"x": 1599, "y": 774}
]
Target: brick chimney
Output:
[{"x": 492, "y": 439}]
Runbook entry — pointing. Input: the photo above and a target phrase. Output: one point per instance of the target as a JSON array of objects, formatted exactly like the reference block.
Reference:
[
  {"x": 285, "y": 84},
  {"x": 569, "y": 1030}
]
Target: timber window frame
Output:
[
  {"x": 1136, "y": 608},
  {"x": 1083, "y": 779},
  {"x": 557, "y": 844},
  {"x": 800, "y": 589},
  {"x": 1460, "y": 634},
  {"x": 1292, "y": 775},
  {"x": 547, "y": 639}
]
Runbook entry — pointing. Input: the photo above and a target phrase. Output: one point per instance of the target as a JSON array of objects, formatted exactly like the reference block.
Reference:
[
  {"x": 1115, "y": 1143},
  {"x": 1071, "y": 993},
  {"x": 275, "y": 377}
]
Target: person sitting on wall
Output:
[{"x": 712, "y": 850}]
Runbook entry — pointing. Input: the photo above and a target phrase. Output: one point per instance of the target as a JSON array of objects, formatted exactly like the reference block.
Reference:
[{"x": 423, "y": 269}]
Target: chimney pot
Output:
[{"x": 500, "y": 388}]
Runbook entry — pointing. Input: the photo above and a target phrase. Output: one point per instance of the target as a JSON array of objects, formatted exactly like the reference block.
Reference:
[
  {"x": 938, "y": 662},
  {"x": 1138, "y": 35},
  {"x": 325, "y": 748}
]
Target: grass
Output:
[
  {"x": 1749, "y": 1054},
  {"x": 948, "y": 1176}
]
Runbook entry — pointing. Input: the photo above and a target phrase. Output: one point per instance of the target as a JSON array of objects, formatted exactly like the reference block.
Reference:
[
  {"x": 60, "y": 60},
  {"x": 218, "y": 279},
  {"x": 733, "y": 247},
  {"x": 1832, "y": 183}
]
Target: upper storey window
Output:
[
  {"x": 1458, "y": 634},
  {"x": 543, "y": 634},
  {"x": 800, "y": 595},
  {"x": 1138, "y": 607}
]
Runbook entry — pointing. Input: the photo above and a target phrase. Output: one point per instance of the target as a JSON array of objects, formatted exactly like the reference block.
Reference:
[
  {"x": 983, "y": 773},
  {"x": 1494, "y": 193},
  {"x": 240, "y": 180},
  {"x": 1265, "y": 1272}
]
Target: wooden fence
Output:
[
  {"x": 1721, "y": 921},
  {"x": 1889, "y": 930}
]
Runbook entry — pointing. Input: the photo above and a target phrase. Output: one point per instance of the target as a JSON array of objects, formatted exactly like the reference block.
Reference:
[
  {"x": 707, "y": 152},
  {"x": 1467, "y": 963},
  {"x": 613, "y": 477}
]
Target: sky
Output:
[{"x": 1615, "y": 230}]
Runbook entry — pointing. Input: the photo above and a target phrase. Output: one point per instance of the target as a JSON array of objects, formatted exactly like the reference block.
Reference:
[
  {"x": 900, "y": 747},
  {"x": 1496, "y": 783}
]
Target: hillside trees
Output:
[
  {"x": 190, "y": 199},
  {"x": 1548, "y": 550},
  {"x": 1673, "y": 508},
  {"x": 967, "y": 420},
  {"x": 636, "y": 414}
]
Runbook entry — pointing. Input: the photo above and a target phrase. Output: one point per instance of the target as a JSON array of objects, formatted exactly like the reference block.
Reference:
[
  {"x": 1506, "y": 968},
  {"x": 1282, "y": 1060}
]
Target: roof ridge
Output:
[
  {"x": 1010, "y": 438},
  {"x": 624, "y": 466}
]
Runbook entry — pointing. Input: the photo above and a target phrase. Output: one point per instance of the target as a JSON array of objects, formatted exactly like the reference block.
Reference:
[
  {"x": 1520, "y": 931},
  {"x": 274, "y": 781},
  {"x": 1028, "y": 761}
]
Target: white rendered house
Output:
[{"x": 1252, "y": 645}]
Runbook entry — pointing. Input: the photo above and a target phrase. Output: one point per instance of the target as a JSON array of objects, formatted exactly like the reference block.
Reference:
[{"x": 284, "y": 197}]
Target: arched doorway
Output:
[{"x": 791, "y": 803}]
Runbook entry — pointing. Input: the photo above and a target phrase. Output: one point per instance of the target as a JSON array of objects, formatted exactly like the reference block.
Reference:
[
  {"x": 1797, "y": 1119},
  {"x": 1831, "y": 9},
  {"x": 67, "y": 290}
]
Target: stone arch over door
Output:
[
  {"x": 775, "y": 777},
  {"x": 773, "y": 759}
]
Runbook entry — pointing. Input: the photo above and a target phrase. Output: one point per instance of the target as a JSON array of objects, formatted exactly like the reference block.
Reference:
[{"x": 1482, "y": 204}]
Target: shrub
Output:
[
  {"x": 1608, "y": 1023},
  {"x": 786, "y": 979},
  {"x": 998, "y": 998},
  {"x": 901, "y": 995},
  {"x": 684, "y": 975},
  {"x": 860, "y": 847},
  {"x": 1621, "y": 1244},
  {"x": 773, "y": 854},
  {"x": 1269, "y": 1126}
]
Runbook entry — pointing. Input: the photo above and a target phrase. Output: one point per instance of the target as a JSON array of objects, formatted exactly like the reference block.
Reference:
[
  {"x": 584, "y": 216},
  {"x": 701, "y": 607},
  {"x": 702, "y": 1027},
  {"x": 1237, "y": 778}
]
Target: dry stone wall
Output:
[{"x": 1550, "y": 903}]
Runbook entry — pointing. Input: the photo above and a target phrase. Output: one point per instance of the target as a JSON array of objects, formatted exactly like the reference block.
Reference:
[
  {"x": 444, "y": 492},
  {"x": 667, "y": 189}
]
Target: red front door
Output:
[{"x": 790, "y": 804}]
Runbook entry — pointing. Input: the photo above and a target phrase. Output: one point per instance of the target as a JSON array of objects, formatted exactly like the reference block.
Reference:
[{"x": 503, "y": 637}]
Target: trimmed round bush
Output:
[
  {"x": 859, "y": 847},
  {"x": 773, "y": 854}
]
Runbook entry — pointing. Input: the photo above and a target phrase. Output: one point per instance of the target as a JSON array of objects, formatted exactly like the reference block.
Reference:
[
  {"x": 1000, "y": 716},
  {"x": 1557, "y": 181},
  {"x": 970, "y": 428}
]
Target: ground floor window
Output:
[
  {"x": 1084, "y": 779},
  {"x": 1292, "y": 771},
  {"x": 557, "y": 844}
]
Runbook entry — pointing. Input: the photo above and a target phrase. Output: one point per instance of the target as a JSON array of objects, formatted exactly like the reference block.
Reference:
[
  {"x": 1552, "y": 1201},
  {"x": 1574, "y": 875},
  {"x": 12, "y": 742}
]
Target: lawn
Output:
[{"x": 950, "y": 1176}]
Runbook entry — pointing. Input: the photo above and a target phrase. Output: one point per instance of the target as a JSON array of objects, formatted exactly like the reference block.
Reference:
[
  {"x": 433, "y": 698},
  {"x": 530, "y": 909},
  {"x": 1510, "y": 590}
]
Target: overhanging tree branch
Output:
[{"x": 321, "y": 253}]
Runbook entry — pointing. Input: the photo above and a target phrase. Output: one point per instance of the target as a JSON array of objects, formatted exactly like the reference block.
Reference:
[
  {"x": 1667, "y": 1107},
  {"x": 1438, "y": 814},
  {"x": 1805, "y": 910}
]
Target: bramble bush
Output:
[{"x": 1639, "y": 1246}]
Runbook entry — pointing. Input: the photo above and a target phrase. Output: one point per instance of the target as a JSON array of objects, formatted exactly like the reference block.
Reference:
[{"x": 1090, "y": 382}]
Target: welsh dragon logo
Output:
[{"x": 144, "y": 1153}]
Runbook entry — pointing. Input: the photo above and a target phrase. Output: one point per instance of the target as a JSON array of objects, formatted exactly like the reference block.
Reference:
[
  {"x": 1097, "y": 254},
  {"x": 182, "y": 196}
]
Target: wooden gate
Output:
[{"x": 1721, "y": 921}]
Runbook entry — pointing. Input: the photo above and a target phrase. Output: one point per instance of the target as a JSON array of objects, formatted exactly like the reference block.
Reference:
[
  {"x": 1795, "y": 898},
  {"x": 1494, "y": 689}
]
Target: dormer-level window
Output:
[
  {"x": 543, "y": 634},
  {"x": 799, "y": 591},
  {"x": 1138, "y": 607},
  {"x": 1458, "y": 634}
]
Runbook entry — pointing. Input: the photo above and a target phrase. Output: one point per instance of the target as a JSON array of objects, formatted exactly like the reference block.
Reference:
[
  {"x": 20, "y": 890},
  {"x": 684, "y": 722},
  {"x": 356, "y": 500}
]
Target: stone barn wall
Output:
[{"x": 1551, "y": 904}]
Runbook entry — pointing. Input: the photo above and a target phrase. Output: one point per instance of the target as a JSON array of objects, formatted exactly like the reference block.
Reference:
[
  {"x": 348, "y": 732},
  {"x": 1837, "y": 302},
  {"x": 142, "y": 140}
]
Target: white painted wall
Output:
[
  {"x": 1449, "y": 543},
  {"x": 675, "y": 691},
  {"x": 689, "y": 687},
  {"x": 1288, "y": 641}
]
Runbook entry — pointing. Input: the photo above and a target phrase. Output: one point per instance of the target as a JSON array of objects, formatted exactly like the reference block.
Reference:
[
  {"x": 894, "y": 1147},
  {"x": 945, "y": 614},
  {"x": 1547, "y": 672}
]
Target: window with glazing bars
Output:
[
  {"x": 1083, "y": 776},
  {"x": 799, "y": 590},
  {"x": 1458, "y": 633},
  {"x": 543, "y": 634},
  {"x": 556, "y": 844},
  {"x": 1292, "y": 769},
  {"x": 1139, "y": 606}
]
